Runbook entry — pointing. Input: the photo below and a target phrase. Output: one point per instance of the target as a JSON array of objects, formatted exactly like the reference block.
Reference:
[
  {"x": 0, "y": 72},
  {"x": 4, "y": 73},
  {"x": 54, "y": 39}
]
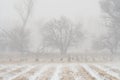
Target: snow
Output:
[
  {"x": 57, "y": 72},
  {"x": 75, "y": 70},
  {"x": 39, "y": 73},
  {"x": 108, "y": 71},
  {"x": 116, "y": 66},
  {"x": 92, "y": 72},
  {"x": 26, "y": 70},
  {"x": 9, "y": 70}
]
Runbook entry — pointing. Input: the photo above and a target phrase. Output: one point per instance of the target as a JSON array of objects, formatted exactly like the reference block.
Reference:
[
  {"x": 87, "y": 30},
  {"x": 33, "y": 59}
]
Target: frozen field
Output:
[{"x": 60, "y": 71}]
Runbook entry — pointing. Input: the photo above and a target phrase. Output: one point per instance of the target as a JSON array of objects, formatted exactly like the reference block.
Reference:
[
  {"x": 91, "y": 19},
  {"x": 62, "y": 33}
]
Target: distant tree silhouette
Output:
[
  {"x": 111, "y": 9},
  {"x": 17, "y": 38},
  {"x": 61, "y": 34}
]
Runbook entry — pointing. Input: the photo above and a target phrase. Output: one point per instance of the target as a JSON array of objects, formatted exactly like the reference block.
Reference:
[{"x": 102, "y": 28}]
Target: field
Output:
[{"x": 60, "y": 71}]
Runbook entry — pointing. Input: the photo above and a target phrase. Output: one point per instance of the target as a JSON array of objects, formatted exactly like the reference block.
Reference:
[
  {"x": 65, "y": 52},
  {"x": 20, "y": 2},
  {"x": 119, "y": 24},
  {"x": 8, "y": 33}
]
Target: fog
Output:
[
  {"x": 59, "y": 39},
  {"x": 88, "y": 13}
]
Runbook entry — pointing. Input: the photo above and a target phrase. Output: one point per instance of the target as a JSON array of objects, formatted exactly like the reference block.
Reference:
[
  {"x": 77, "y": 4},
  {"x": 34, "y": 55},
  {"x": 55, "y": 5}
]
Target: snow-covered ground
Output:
[{"x": 60, "y": 71}]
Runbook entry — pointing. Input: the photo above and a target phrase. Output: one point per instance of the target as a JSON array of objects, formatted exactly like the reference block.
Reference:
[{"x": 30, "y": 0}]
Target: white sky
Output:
[
  {"x": 71, "y": 8},
  {"x": 87, "y": 11},
  {"x": 77, "y": 10}
]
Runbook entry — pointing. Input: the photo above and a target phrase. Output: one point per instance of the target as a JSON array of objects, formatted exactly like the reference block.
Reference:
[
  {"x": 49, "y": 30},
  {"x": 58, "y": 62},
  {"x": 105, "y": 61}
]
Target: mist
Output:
[
  {"x": 59, "y": 39},
  {"x": 88, "y": 13},
  {"x": 57, "y": 27}
]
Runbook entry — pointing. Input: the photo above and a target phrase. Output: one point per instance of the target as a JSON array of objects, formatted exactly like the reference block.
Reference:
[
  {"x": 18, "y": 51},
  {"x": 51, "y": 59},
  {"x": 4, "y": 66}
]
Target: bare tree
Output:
[
  {"x": 18, "y": 37},
  {"x": 105, "y": 42},
  {"x": 111, "y": 9},
  {"x": 13, "y": 40},
  {"x": 61, "y": 34},
  {"x": 24, "y": 11},
  {"x": 20, "y": 33},
  {"x": 3, "y": 42},
  {"x": 5, "y": 38},
  {"x": 20, "y": 40}
]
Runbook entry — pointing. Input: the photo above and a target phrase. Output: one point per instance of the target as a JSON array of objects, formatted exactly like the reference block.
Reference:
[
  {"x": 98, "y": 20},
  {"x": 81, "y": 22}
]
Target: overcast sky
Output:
[
  {"x": 74, "y": 9},
  {"x": 84, "y": 11}
]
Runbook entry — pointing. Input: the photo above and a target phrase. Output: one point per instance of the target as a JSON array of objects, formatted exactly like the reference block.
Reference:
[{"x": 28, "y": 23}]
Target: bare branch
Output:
[{"x": 61, "y": 34}]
